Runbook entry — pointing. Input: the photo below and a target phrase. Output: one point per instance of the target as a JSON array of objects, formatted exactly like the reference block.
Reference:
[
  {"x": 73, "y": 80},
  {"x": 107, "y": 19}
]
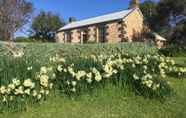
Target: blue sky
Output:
[{"x": 80, "y": 9}]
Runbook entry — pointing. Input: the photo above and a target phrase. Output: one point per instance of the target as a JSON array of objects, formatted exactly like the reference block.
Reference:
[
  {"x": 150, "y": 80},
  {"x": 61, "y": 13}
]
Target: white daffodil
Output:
[
  {"x": 89, "y": 75},
  {"x": 27, "y": 91},
  {"x": 43, "y": 70},
  {"x": 135, "y": 77},
  {"x": 28, "y": 83},
  {"x": 80, "y": 74},
  {"x": 74, "y": 83},
  {"x": 44, "y": 80},
  {"x": 34, "y": 94},
  {"x": 3, "y": 90},
  {"x": 16, "y": 82},
  {"x": 11, "y": 86},
  {"x": 98, "y": 77},
  {"x": 18, "y": 54},
  {"x": 29, "y": 68},
  {"x": 39, "y": 96},
  {"x": 73, "y": 89},
  {"x": 47, "y": 92},
  {"x": 59, "y": 68},
  {"x": 19, "y": 91}
]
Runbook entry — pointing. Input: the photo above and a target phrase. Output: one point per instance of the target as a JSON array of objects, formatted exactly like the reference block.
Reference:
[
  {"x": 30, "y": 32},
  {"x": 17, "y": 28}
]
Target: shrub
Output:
[{"x": 173, "y": 51}]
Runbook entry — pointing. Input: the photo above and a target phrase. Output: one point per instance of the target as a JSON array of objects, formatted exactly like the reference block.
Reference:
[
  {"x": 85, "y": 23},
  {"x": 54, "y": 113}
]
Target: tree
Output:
[
  {"x": 134, "y": 3},
  {"x": 13, "y": 15},
  {"x": 178, "y": 35},
  {"x": 170, "y": 8},
  {"x": 148, "y": 8},
  {"x": 45, "y": 25}
]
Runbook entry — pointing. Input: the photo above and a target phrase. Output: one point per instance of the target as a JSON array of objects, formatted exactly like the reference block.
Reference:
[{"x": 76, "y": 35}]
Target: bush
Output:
[{"x": 173, "y": 51}]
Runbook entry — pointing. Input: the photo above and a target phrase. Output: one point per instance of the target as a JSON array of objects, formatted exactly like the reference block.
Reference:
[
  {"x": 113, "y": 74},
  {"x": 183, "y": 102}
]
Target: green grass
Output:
[
  {"x": 79, "y": 49},
  {"x": 110, "y": 102},
  {"x": 181, "y": 61}
]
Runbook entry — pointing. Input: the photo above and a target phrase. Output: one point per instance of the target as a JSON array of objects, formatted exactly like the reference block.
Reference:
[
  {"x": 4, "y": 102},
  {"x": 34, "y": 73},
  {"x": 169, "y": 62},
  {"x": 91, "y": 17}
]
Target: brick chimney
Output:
[{"x": 134, "y": 4}]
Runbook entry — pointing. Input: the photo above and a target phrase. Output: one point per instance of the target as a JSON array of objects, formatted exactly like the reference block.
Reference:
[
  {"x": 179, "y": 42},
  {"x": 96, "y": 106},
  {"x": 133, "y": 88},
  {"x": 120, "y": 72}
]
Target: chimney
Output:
[
  {"x": 71, "y": 19},
  {"x": 134, "y": 4}
]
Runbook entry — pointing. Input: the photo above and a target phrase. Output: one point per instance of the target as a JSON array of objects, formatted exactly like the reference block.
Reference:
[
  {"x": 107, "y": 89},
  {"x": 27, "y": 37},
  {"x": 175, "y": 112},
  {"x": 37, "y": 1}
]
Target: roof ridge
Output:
[
  {"x": 102, "y": 15},
  {"x": 99, "y": 19}
]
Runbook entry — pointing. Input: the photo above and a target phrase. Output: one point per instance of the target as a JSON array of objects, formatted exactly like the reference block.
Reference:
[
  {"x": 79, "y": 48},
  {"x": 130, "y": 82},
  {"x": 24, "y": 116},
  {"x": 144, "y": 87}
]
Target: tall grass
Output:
[{"x": 37, "y": 55}]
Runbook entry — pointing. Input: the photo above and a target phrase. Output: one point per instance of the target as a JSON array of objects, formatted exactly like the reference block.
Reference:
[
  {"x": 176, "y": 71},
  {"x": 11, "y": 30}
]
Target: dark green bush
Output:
[{"x": 173, "y": 51}]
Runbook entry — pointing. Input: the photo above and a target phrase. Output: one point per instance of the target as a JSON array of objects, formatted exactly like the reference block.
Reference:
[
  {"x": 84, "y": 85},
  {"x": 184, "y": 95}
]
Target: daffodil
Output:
[
  {"x": 59, "y": 68},
  {"x": 11, "y": 86},
  {"x": 3, "y": 90},
  {"x": 29, "y": 83},
  {"x": 34, "y": 94},
  {"x": 44, "y": 80},
  {"x": 80, "y": 74},
  {"x": 16, "y": 82},
  {"x": 27, "y": 91},
  {"x": 135, "y": 77},
  {"x": 39, "y": 96},
  {"x": 43, "y": 70},
  {"x": 74, "y": 83}
]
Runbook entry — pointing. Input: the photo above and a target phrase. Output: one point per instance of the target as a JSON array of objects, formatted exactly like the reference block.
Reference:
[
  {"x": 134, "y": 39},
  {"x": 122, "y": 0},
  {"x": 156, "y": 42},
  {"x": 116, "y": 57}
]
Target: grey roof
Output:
[
  {"x": 98, "y": 19},
  {"x": 173, "y": 21}
]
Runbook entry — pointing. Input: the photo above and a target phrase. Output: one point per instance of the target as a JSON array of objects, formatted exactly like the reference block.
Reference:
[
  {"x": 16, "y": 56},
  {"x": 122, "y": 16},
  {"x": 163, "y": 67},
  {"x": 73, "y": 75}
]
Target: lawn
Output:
[{"x": 109, "y": 101}]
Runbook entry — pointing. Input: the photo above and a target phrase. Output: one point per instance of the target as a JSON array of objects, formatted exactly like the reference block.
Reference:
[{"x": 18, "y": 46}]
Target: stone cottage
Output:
[{"x": 120, "y": 26}]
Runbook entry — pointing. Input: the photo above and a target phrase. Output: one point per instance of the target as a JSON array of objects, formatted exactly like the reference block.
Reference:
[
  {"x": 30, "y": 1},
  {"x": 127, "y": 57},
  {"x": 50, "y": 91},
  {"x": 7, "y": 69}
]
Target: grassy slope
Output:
[{"x": 110, "y": 102}]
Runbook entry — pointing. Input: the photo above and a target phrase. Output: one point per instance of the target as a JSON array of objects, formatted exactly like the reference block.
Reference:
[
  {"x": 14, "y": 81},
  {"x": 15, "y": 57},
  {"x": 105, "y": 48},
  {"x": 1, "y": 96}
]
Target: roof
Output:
[
  {"x": 158, "y": 37},
  {"x": 176, "y": 19},
  {"x": 98, "y": 19}
]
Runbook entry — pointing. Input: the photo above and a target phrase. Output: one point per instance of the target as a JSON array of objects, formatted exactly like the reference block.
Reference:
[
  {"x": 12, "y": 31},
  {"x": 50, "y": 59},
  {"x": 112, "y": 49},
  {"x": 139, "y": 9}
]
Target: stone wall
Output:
[
  {"x": 134, "y": 24},
  {"x": 75, "y": 36},
  {"x": 92, "y": 33},
  {"x": 59, "y": 37},
  {"x": 113, "y": 32}
]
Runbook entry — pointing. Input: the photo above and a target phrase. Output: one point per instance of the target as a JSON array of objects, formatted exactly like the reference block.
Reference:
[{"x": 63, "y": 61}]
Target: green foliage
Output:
[
  {"x": 45, "y": 25},
  {"x": 98, "y": 49},
  {"x": 14, "y": 14},
  {"x": 167, "y": 8},
  {"x": 178, "y": 35},
  {"x": 148, "y": 8},
  {"x": 173, "y": 51},
  {"x": 157, "y": 17},
  {"x": 24, "y": 40}
]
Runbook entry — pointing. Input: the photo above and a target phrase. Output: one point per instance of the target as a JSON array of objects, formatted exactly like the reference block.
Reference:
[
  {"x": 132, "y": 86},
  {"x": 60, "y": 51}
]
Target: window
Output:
[
  {"x": 85, "y": 36},
  {"x": 68, "y": 37},
  {"x": 102, "y": 33}
]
